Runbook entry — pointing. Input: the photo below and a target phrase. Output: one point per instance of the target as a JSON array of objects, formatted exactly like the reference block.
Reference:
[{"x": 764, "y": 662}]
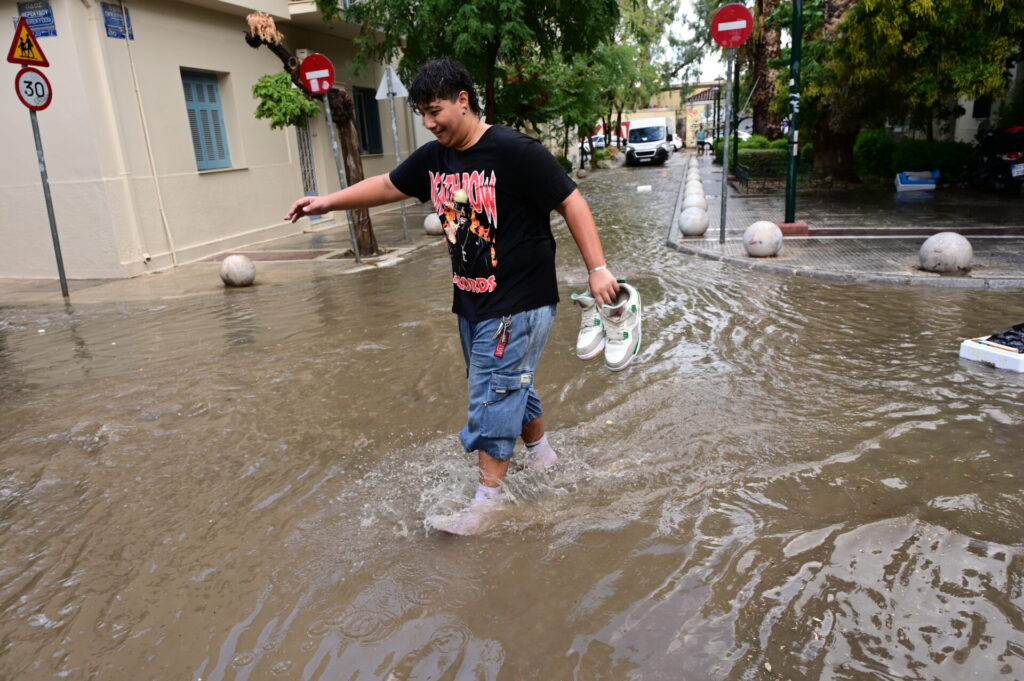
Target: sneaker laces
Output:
[
  {"x": 590, "y": 318},
  {"x": 617, "y": 321},
  {"x": 591, "y": 313}
]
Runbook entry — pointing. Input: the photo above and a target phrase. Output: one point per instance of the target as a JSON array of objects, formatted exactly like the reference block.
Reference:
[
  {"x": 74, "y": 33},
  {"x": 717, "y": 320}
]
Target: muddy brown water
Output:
[{"x": 797, "y": 479}]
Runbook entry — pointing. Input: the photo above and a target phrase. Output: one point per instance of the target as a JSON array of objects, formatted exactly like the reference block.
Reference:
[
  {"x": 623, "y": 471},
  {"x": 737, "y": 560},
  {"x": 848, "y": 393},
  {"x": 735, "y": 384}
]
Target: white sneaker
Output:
[
  {"x": 590, "y": 341},
  {"x": 621, "y": 322}
]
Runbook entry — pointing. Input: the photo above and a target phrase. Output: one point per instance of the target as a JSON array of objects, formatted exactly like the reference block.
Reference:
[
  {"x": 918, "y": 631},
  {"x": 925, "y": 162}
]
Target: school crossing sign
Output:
[{"x": 25, "y": 47}]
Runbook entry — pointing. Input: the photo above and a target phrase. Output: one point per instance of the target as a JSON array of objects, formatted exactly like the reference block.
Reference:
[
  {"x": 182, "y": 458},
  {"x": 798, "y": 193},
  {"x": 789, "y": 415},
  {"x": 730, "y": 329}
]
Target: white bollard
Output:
[
  {"x": 694, "y": 188},
  {"x": 946, "y": 252},
  {"x": 695, "y": 201},
  {"x": 693, "y": 221},
  {"x": 762, "y": 239},
  {"x": 432, "y": 225},
  {"x": 237, "y": 270}
]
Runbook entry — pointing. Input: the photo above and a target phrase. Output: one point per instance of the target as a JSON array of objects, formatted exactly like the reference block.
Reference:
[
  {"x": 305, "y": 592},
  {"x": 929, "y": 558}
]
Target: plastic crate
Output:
[{"x": 999, "y": 356}]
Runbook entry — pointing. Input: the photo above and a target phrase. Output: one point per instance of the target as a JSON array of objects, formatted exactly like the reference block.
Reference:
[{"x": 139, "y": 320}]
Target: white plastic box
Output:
[{"x": 999, "y": 356}]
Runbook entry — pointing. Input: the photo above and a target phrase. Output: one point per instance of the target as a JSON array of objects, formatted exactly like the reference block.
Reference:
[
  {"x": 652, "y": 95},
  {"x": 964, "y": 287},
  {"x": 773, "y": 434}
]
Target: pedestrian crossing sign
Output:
[{"x": 25, "y": 48}]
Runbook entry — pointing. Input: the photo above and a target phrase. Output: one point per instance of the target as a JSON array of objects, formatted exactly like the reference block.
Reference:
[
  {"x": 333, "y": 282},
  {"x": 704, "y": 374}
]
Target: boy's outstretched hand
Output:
[{"x": 308, "y": 205}]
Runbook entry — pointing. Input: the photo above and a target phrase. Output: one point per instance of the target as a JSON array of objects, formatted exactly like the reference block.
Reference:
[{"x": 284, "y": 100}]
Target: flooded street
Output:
[{"x": 797, "y": 479}]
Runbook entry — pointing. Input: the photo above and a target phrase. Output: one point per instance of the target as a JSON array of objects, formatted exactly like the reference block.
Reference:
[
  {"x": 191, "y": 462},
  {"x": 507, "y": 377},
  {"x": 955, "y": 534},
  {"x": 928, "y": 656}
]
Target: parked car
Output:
[
  {"x": 677, "y": 142},
  {"x": 599, "y": 142}
]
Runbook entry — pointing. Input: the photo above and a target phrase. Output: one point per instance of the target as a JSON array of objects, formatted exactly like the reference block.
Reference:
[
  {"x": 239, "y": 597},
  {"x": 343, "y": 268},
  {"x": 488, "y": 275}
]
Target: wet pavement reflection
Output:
[{"x": 797, "y": 479}]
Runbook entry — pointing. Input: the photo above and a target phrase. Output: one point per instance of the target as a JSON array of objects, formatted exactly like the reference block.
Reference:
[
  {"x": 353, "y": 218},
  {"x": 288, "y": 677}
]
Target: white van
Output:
[{"x": 649, "y": 141}]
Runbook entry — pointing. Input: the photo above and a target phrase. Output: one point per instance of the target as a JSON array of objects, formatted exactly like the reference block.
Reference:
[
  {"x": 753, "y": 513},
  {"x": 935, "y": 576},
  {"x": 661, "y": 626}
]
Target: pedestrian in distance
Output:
[
  {"x": 702, "y": 137},
  {"x": 494, "y": 189}
]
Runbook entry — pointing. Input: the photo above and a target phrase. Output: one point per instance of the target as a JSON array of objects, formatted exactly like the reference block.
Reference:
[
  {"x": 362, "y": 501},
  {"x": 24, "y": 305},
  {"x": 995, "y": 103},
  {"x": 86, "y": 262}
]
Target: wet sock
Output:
[
  {"x": 541, "y": 452},
  {"x": 485, "y": 493}
]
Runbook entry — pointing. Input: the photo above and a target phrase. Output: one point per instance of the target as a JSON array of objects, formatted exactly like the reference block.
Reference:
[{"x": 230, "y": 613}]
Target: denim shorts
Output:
[{"x": 502, "y": 398}]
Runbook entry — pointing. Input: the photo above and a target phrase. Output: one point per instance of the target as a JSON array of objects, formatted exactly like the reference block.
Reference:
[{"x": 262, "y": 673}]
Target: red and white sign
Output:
[
  {"x": 33, "y": 88},
  {"x": 732, "y": 25},
  {"x": 317, "y": 73}
]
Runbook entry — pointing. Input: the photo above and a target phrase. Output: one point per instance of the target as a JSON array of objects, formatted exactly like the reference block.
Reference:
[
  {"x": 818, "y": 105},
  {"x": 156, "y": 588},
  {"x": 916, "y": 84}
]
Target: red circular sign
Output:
[
  {"x": 732, "y": 25},
  {"x": 317, "y": 73},
  {"x": 33, "y": 88}
]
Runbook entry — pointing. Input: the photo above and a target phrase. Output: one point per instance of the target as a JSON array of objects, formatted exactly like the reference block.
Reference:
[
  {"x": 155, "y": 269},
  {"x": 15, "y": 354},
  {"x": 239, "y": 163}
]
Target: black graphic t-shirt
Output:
[{"x": 495, "y": 201}]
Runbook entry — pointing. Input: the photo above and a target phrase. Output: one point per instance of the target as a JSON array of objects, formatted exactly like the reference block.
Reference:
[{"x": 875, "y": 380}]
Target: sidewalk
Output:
[
  {"x": 326, "y": 252},
  {"x": 866, "y": 236}
]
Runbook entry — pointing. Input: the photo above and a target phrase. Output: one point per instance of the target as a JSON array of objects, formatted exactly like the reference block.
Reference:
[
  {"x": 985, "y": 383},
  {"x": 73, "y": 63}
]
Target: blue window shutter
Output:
[{"x": 206, "y": 120}]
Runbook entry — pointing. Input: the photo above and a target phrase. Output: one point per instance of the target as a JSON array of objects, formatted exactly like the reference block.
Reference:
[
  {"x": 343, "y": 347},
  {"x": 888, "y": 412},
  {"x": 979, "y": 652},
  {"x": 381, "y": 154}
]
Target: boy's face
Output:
[{"x": 446, "y": 119}]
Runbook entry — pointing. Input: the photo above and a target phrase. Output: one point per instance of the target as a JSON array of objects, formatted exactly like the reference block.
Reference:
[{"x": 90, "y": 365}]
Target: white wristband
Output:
[{"x": 597, "y": 269}]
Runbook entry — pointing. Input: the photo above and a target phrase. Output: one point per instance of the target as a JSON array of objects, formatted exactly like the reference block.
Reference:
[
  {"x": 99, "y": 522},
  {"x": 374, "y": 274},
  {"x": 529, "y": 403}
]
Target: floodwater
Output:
[{"x": 797, "y": 479}]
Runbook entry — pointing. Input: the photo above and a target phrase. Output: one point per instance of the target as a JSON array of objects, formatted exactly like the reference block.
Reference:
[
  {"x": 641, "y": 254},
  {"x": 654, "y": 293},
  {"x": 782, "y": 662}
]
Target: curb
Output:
[
  {"x": 1004, "y": 283},
  {"x": 854, "y": 277}
]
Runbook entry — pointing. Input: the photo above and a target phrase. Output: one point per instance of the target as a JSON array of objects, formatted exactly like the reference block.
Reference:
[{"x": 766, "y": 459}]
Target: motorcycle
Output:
[{"x": 999, "y": 162}]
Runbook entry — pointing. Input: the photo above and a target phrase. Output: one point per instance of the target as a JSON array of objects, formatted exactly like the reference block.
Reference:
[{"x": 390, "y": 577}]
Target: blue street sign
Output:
[
  {"x": 115, "y": 21},
  {"x": 39, "y": 16}
]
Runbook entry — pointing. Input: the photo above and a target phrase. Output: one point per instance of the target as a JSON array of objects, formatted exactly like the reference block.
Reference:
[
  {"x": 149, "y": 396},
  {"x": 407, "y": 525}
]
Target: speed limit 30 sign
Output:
[{"x": 33, "y": 88}]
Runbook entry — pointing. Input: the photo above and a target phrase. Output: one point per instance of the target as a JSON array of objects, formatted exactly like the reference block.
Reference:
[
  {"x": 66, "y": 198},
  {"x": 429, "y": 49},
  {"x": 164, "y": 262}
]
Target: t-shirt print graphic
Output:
[{"x": 466, "y": 207}]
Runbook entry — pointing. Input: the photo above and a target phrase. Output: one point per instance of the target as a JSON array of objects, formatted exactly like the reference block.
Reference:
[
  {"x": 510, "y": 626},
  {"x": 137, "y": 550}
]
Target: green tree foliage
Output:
[
  {"x": 928, "y": 52},
  {"x": 871, "y": 61},
  {"x": 282, "y": 102},
  {"x": 499, "y": 41}
]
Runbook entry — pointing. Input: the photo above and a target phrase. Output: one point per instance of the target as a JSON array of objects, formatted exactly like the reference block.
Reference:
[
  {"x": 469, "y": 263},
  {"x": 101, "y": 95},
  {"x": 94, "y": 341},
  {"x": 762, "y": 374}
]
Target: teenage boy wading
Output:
[{"x": 494, "y": 190}]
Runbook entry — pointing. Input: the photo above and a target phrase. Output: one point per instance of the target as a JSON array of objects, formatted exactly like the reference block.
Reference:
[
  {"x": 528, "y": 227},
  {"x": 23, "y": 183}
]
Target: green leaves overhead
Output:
[
  {"x": 527, "y": 56},
  {"x": 282, "y": 102}
]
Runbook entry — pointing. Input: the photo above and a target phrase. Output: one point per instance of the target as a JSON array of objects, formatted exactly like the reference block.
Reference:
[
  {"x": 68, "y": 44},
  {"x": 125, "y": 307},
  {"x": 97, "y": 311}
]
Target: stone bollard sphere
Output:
[
  {"x": 946, "y": 252},
  {"x": 581, "y": 173},
  {"x": 237, "y": 270},
  {"x": 432, "y": 225},
  {"x": 695, "y": 201},
  {"x": 693, "y": 221},
  {"x": 762, "y": 239},
  {"x": 694, "y": 187},
  {"x": 693, "y": 177}
]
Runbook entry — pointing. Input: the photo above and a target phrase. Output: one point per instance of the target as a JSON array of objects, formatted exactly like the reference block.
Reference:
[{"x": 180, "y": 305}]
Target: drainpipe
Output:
[
  {"x": 110, "y": 117},
  {"x": 149, "y": 144}
]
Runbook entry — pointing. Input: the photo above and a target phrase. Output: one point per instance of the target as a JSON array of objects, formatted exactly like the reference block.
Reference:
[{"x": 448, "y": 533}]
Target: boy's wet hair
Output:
[{"x": 441, "y": 79}]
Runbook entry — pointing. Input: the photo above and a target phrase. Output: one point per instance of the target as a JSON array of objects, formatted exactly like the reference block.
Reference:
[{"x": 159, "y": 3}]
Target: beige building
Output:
[{"x": 153, "y": 154}]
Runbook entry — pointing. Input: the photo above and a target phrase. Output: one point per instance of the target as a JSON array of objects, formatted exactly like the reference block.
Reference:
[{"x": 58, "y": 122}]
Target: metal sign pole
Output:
[
  {"x": 725, "y": 149},
  {"x": 398, "y": 151},
  {"x": 49, "y": 203},
  {"x": 341, "y": 174},
  {"x": 794, "y": 110}
]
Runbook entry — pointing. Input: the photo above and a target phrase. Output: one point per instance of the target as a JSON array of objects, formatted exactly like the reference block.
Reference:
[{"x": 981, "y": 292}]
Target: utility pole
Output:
[
  {"x": 735, "y": 115},
  {"x": 794, "y": 109}
]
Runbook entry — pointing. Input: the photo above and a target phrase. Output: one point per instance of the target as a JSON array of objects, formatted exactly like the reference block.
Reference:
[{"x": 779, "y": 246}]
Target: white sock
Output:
[
  {"x": 539, "y": 447},
  {"x": 543, "y": 441},
  {"x": 485, "y": 493}
]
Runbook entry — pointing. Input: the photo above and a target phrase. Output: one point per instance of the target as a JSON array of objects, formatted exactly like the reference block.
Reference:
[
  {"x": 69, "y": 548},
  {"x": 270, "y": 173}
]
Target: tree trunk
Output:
[
  {"x": 765, "y": 47},
  {"x": 342, "y": 112},
  {"x": 833, "y": 152}
]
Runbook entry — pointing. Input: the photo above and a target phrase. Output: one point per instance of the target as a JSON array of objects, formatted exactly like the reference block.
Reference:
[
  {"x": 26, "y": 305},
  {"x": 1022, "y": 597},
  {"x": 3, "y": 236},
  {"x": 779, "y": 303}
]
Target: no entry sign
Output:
[
  {"x": 317, "y": 73},
  {"x": 33, "y": 88},
  {"x": 732, "y": 25}
]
